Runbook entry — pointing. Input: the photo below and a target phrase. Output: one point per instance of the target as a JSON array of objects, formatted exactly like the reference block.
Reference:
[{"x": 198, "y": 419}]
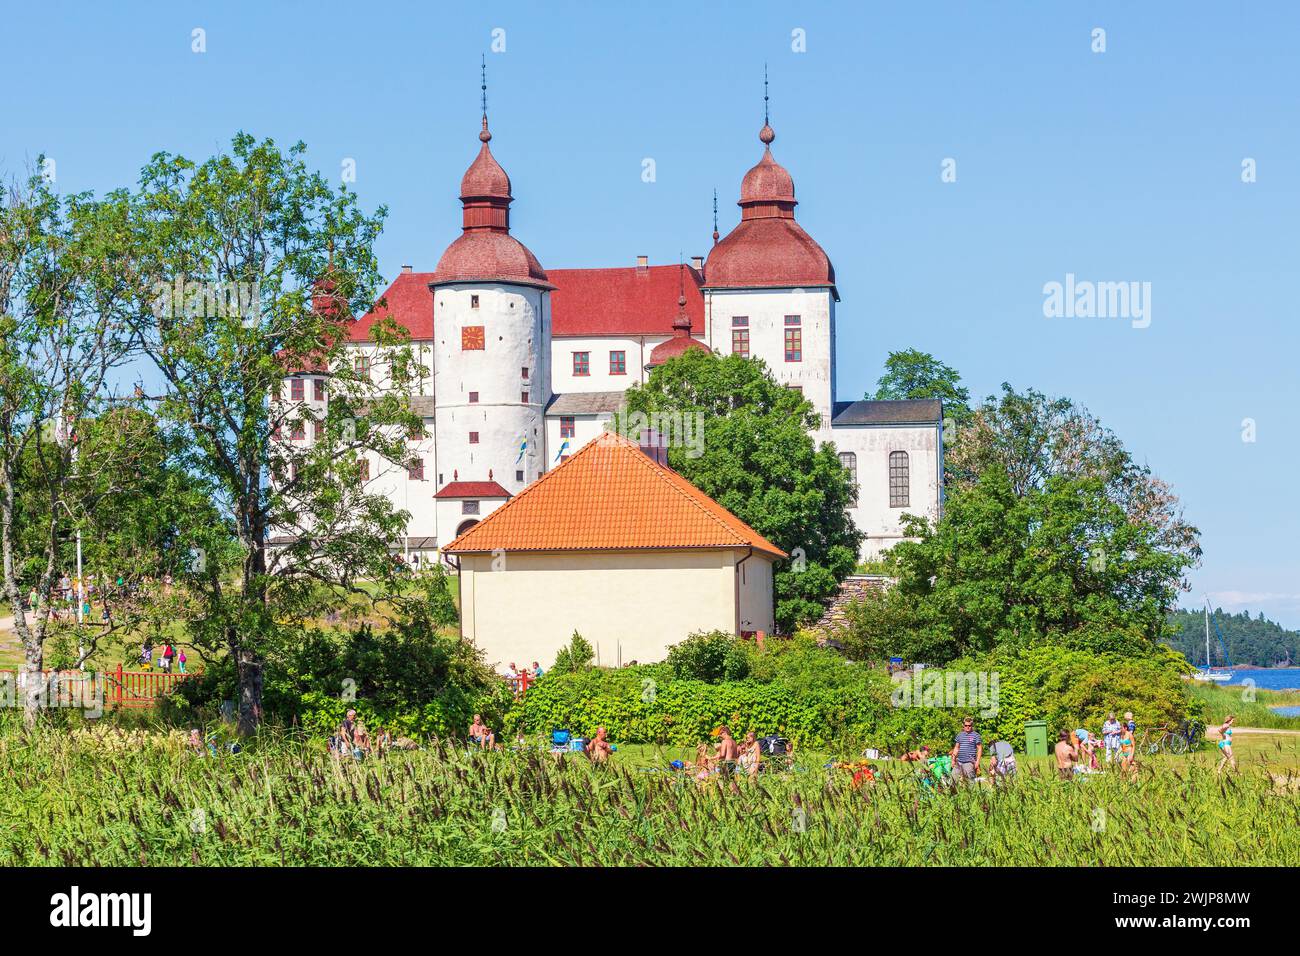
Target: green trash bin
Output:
[{"x": 1035, "y": 738}]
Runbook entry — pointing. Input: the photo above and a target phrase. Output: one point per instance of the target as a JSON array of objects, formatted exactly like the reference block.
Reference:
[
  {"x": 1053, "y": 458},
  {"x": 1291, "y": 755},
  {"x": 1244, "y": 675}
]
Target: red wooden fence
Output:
[{"x": 120, "y": 688}]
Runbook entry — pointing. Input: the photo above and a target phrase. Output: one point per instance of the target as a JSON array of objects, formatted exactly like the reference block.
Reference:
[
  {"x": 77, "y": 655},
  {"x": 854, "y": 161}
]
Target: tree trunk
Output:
[
  {"x": 249, "y": 691},
  {"x": 33, "y": 680}
]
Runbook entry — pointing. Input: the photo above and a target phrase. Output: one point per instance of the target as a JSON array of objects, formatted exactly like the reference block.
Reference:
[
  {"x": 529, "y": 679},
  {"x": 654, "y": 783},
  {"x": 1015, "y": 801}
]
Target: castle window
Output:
[
  {"x": 416, "y": 470},
  {"x": 318, "y": 389},
  {"x": 740, "y": 342},
  {"x": 472, "y": 338},
  {"x": 794, "y": 345},
  {"x": 849, "y": 462},
  {"x": 617, "y": 363},
  {"x": 519, "y": 475},
  {"x": 295, "y": 390},
  {"x": 297, "y": 431},
  {"x": 473, "y": 302},
  {"x": 417, "y": 432},
  {"x": 318, "y": 430},
  {"x": 473, "y": 398},
  {"x": 523, "y": 373},
  {"x": 473, "y": 438},
  {"x": 740, "y": 321},
  {"x": 469, "y": 507},
  {"x": 899, "y": 479},
  {"x": 362, "y": 366},
  {"x": 566, "y": 426},
  {"x": 581, "y": 363},
  {"x": 523, "y": 397},
  {"x": 793, "y": 320}
]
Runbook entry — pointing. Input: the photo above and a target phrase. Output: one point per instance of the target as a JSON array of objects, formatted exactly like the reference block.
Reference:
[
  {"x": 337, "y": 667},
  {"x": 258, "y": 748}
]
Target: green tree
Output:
[
  {"x": 912, "y": 374},
  {"x": 62, "y": 337},
  {"x": 1032, "y": 439},
  {"x": 578, "y": 656},
  {"x": 1062, "y": 564},
  {"x": 758, "y": 461},
  {"x": 248, "y": 267}
]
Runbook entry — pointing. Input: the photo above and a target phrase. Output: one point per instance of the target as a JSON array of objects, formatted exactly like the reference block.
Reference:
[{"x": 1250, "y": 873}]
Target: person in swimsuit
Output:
[
  {"x": 1225, "y": 744},
  {"x": 479, "y": 733},
  {"x": 1127, "y": 750},
  {"x": 598, "y": 748},
  {"x": 1065, "y": 756},
  {"x": 701, "y": 765},
  {"x": 725, "y": 758}
]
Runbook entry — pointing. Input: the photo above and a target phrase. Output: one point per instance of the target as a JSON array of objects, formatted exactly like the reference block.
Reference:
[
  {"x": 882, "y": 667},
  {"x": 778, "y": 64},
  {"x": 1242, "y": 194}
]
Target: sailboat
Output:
[{"x": 1217, "y": 675}]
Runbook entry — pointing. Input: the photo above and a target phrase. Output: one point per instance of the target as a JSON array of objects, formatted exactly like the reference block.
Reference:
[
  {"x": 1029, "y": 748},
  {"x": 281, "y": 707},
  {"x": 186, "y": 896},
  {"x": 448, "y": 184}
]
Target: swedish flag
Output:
[
  {"x": 523, "y": 448},
  {"x": 563, "y": 448}
]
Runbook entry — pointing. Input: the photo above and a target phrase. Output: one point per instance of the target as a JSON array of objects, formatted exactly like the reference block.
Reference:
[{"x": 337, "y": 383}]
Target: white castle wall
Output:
[
  {"x": 872, "y": 445},
  {"x": 766, "y": 310},
  {"x": 516, "y": 328}
]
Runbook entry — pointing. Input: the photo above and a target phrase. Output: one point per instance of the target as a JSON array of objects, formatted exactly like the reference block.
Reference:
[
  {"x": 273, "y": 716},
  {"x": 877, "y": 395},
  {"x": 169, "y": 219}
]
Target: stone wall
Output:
[{"x": 853, "y": 588}]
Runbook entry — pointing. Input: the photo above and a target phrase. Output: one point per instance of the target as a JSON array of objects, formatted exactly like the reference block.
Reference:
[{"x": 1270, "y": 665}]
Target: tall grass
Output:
[
  {"x": 1221, "y": 701},
  {"x": 135, "y": 798}
]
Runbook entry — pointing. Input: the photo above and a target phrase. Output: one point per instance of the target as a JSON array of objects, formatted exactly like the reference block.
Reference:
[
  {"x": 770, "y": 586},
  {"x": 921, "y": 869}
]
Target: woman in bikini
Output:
[
  {"x": 1225, "y": 744},
  {"x": 1127, "y": 752}
]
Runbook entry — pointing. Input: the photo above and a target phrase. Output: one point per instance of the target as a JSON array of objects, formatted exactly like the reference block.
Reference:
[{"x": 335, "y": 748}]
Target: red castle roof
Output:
[
  {"x": 768, "y": 249},
  {"x": 485, "y": 250},
  {"x": 634, "y": 301}
]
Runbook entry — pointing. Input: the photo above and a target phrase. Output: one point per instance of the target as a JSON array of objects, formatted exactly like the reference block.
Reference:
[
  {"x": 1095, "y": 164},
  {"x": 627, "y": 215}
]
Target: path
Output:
[{"x": 1212, "y": 733}]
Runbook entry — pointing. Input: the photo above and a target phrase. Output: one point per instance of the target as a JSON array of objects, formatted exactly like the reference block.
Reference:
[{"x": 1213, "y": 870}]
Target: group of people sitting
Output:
[{"x": 352, "y": 739}]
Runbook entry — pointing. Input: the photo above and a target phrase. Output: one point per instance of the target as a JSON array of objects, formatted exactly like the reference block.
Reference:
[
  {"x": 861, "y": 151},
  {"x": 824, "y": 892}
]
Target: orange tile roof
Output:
[{"x": 610, "y": 497}]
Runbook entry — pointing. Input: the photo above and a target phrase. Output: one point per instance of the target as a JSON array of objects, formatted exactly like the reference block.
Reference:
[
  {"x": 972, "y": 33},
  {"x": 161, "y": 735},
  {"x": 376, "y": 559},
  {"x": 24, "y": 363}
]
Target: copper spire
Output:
[
  {"x": 715, "y": 216},
  {"x": 766, "y": 134},
  {"x": 484, "y": 135}
]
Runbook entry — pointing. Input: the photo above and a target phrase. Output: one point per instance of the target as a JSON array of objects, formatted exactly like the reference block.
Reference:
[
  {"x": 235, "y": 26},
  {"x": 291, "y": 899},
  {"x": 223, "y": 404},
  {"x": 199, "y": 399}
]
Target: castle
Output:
[{"x": 529, "y": 363}]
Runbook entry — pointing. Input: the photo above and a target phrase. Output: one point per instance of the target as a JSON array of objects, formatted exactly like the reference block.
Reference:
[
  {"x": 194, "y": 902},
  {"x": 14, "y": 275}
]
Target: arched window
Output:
[
  {"x": 849, "y": 462},
  {"x": 465, "y": 526},
  {"x": 900, "y": 479}
]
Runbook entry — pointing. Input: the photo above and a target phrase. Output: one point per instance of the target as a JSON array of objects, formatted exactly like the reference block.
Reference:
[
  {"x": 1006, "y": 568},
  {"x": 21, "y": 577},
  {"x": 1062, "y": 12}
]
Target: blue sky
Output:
[{"x": 1124, "y": 165}]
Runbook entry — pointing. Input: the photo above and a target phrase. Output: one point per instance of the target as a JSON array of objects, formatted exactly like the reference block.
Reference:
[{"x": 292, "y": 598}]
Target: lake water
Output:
[
  {"x": 1273, "y": 678},
  {"x": 1286, "y": 711}
]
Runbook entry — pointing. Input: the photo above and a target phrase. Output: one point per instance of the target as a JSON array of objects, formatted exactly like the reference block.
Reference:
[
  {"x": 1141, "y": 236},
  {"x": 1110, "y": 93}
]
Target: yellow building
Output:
[{"x": 618, "y": 547}]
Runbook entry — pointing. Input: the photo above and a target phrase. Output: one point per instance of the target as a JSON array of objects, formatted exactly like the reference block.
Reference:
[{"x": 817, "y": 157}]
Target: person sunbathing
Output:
[
  {"x": 479, "y": 733},
  {"x": 598, "y": 748}
]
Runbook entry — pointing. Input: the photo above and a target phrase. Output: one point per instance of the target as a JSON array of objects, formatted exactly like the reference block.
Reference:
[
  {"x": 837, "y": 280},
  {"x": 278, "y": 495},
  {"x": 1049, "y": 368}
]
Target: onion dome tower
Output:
[
  {"x": 491, "y": 349},
  {"x": 768, "y": 249}
]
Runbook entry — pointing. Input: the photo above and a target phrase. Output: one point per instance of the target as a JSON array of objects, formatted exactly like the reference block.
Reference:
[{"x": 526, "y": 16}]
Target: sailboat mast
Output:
[{"x": 1207, "y": 632}]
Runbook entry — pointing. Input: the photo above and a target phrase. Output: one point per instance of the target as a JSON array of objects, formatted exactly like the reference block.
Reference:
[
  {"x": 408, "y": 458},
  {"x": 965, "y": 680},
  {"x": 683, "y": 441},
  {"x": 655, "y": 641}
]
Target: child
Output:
[{"x": 180, "y": 659}]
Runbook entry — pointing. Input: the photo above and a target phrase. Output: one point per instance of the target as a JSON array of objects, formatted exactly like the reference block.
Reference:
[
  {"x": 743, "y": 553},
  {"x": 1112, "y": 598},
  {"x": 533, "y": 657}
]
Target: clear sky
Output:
[{"x": 1122, "y": 165}]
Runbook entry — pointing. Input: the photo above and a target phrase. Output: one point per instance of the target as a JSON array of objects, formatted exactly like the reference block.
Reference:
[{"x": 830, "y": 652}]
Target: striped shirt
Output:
[{"x": 967, "y": 741}]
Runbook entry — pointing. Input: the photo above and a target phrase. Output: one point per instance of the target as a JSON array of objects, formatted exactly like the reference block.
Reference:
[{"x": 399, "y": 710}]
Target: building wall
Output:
[
  {"x": 872, "y": 445},
  {"x": 516, "y": 336},
  {"x": 633, "y": 603},
  {"x": 756, "y": 594},
  {"x": 766, "y": 310},
  {"x": 585, "y": 428},
  {"x": 636, "y": 349}
]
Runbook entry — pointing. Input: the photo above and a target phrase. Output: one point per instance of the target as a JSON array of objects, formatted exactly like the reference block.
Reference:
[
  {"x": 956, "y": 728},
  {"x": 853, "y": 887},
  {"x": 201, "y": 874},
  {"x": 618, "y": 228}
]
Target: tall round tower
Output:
[{"x": 491, "y": 355}]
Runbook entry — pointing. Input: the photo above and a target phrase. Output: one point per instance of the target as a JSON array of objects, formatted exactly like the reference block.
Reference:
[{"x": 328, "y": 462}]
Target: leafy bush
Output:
[
  {"x": 711, "y": 657},
  {"x": 576, "y": 657},
  {"x": 412, "y": 680},
  {"x": 817, "y": 698}
]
